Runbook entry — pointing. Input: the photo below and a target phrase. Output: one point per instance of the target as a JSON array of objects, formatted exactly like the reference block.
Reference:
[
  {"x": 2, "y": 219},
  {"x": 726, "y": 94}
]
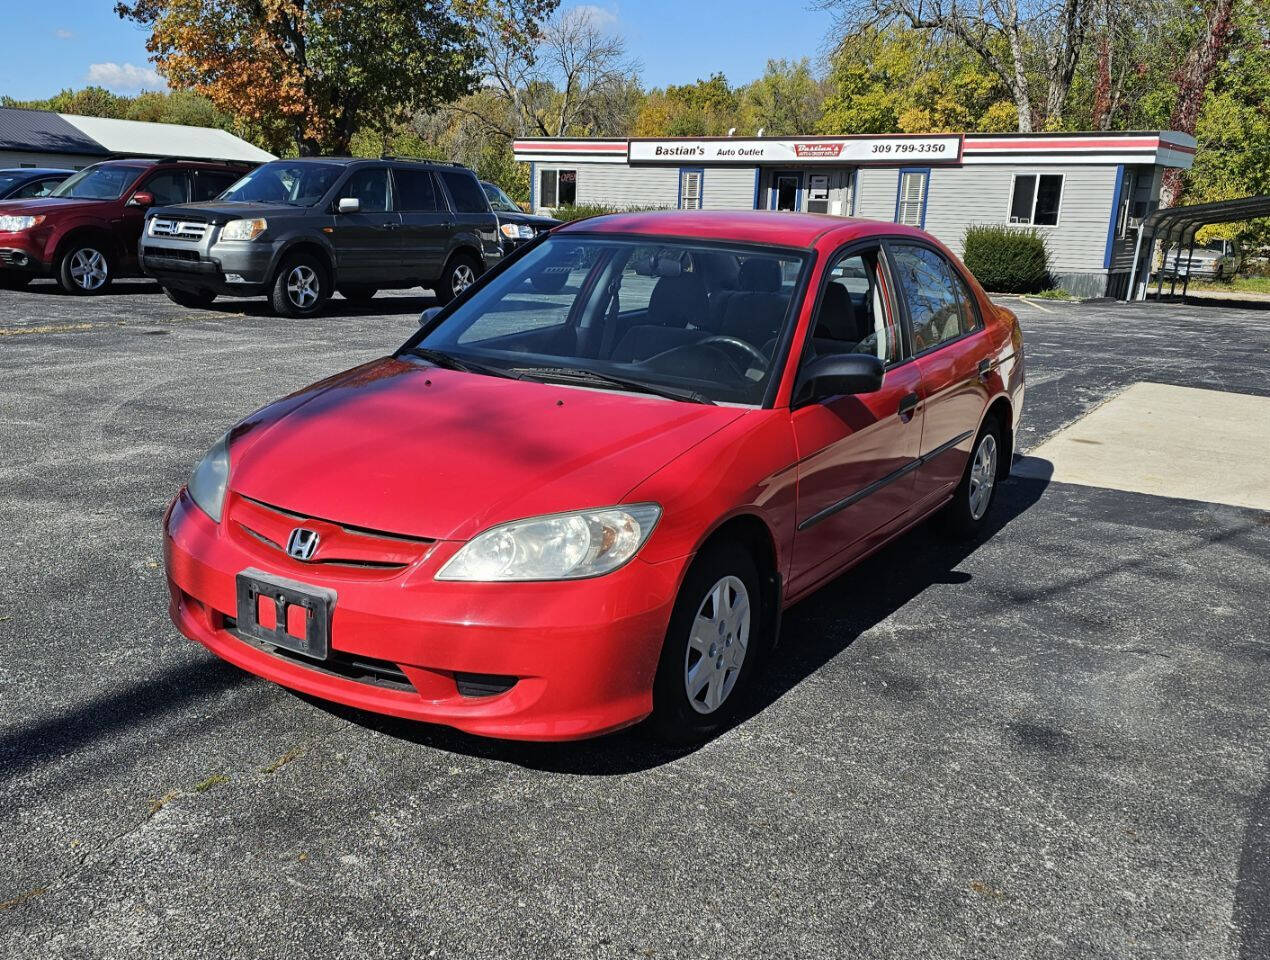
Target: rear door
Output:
[
  {"x": 857, "y": 454},
  {"x": 365, "y": 242},
  {"x": 473, "y": 218},
  {"x": 949, "y": 343},
  {"x": 426, "y": 223}
]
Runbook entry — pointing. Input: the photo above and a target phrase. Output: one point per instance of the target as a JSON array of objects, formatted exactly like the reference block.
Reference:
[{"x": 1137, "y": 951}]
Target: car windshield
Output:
[
  {"x": 7, "y": 180},
  {"x": 691, "y": 320},
  {"x": 105, "y": 181},
  {"x": 283, "y": 181},
  {"x": 499, "y": 200}
]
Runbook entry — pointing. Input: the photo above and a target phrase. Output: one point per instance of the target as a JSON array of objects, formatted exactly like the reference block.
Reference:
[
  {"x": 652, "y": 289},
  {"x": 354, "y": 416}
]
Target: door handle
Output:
[
  {"x": 907, "y": 405},
  {"x": 393, "y": 226},
  {"x": 985, "y": 368}
]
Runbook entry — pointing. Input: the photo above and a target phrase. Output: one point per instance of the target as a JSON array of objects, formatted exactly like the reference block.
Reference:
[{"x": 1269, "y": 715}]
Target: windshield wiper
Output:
[
  {"x": 594, "y": 378},
  {"x": 448, "y": 361}
]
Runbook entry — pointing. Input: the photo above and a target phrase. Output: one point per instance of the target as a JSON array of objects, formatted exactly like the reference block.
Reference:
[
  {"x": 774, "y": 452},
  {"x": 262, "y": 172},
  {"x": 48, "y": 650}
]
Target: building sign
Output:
[{"x": 851, "y": 150}]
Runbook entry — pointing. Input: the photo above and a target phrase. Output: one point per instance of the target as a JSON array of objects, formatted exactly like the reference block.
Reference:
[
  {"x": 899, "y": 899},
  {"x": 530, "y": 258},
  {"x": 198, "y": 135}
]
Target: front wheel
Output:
[
  {"x": 712, "y": 646},
  {"x": 190, "y": 298},
  {"x": 300, "y": 288},
  {"x": 460, "y": 273},
  {"x": 85, "y": 269},
  {"x": 967, "y": 512}
]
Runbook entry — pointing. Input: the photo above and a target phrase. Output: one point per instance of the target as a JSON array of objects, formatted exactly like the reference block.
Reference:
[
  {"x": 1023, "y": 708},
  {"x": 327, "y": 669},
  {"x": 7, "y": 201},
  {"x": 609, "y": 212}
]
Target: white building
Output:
[{"x": 1085, "y": 191}]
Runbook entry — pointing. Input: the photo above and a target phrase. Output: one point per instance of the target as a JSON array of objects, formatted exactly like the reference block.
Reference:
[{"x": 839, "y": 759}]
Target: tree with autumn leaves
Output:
[{"x": 307, "y": 75}]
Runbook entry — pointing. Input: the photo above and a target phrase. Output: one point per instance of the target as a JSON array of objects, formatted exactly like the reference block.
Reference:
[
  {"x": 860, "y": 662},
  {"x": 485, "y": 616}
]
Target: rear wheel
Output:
[
  {"x": 460, "y": 273},
  {"x": 358, "y": 294},
  {"x": 967, "y": 513},
  {"x": 300, "y": 287},
  {"x": 85, "y": 268},
  {"x": 712, "y": 646},
  {"x": 190, "y": 298}
]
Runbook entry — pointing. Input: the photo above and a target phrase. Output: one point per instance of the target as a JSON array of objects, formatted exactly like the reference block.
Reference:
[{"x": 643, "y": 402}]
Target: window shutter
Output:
[
  {"x": 912, "y": 197},
  {"x": 690, "y": 190}
]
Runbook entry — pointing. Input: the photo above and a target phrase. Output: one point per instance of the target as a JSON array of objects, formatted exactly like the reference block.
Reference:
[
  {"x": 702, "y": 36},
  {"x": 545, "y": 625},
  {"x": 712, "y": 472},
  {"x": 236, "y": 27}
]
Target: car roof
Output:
[
  {"x": 34, "y": 171},
  {"x": 779, "y": 228}
]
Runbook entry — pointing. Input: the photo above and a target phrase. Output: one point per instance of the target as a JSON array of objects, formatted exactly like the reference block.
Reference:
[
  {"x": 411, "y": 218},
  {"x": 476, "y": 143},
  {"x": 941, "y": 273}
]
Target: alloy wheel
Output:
[
  {"x": 303, "y": 286},
  {"x": 89, "y": 269},
  {"x": 983, "y": 475},
  {"x": 717, "y": 645},
  {"x": 462, "y": 278}
]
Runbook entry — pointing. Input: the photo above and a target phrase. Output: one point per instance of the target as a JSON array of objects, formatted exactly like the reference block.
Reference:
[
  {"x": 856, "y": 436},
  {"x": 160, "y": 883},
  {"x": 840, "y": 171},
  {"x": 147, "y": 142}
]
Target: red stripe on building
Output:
[{"x": 540, "y": 147}]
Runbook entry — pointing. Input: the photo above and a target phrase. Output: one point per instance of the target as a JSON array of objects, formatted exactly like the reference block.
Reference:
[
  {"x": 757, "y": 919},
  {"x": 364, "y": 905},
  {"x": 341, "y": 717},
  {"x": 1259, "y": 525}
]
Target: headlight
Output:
[
  {"x": 566, "y": 546},
  {"x": 244, "y": 229},
  {"x": 515, "y": 231},
  {"x": 18, "y": 224},
  {"x": 207, "y": 484}
]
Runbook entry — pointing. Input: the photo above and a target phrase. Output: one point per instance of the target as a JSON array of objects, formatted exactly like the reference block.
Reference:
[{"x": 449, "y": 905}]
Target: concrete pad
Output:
[{"x": 1168, "y": 441}]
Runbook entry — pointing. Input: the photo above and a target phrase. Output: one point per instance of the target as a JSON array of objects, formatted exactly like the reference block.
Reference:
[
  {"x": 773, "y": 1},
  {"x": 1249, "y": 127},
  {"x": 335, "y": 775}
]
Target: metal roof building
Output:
[{"x": 41, "y": 138}]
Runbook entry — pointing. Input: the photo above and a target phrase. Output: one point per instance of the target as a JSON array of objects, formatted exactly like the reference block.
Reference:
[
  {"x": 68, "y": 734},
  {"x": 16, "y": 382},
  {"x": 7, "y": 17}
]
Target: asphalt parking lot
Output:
[{"x": 1050, "y": 744}]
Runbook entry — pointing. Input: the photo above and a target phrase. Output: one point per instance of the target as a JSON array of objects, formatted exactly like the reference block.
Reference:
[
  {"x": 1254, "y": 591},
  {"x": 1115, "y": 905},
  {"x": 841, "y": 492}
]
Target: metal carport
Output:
[{"x": 1177, "y": 226}]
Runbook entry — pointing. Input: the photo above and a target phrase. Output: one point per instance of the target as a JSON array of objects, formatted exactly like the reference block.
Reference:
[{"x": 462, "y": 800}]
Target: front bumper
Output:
[
  {"x": 231, "y": 268},
  {"x": 583, "y": 654},
  {"x": 20, "y": 254}
]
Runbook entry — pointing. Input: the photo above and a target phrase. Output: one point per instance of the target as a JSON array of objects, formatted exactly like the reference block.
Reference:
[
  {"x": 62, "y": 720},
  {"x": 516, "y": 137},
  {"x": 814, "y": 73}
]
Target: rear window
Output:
[
  {"x": 466, "y": 192},
  {"x": 416, "y": 190}
]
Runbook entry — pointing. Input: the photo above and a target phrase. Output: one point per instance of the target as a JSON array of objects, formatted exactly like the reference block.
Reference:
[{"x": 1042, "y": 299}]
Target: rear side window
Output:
[
  {"x": 209, "y": 184},
  {"x": 370, "y": 188},
  {"x": 416, "y": 190},
  {"x": 465, "y": 191},
  {"x": 168, "y": 187},
  {"x": 938, "y": 303}
]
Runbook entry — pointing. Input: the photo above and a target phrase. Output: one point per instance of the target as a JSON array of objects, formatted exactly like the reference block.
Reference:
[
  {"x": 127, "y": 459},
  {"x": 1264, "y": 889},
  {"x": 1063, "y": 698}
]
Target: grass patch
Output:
[
  {"x": 214, "y": 780},
  {"x": 1239, "y": 284},
  {"x": 1053, "y": 293},
  {"x": 22, "y": 898},
  {"x": 282, "y": 761}
]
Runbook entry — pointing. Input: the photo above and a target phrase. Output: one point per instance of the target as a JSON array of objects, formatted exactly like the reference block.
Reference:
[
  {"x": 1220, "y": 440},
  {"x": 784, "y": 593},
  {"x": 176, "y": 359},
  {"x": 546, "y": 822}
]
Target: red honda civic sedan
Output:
[{"x": 582, "y": 493}]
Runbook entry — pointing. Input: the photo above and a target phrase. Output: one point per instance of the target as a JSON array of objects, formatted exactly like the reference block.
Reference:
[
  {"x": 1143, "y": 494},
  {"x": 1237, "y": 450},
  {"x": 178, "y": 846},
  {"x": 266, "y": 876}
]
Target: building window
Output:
[
  {"x": 690, "y": 188},
  {"x": 558, "y": 188},
  {"x": 910, "y": 199},
  {"x": 1035, "y": 199}
]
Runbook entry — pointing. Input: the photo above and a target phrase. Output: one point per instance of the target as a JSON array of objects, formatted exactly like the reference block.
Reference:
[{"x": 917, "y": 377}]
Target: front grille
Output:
[
  {"x": 350, "y": 666},
  {"x": 162, "y": 253},
  {"x": 177, "y": 229}
]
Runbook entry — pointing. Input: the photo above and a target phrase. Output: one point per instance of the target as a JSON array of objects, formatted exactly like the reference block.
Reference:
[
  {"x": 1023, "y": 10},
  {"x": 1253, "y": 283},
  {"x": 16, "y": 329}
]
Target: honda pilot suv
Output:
[
  {"x": 84, "y": 233},
  {"x": 297, "y": 230}
]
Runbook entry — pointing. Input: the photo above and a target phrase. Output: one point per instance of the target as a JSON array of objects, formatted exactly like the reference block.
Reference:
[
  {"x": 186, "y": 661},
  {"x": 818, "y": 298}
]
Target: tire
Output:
[
  {"x": 301, "y": 286},
  {"x": 689, "y": 706},
  {"x": 190, "y": 298},
  {"x": 358, "y": 294},
  {"x": 86, "y": 268},
  {"x": 967, "y": 513},
  {"x": 459, "y": 274},
  {"x": 549, "y": 282},
  {"x": 12, "y": 280}
]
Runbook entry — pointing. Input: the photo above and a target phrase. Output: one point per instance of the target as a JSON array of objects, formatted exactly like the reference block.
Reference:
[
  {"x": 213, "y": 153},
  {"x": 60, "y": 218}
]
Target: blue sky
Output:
[{"x": 68, "y": 43}]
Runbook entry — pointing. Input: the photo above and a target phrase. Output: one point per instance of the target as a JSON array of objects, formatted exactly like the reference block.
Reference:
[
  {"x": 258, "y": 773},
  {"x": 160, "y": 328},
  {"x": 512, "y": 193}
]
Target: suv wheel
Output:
[
  {"x": 300, "y": 288},
  {"x": 190, "y": 298},
  {"x": 358, "y": 294},
  {"x": 85, "y": 269},
  {"x": 460, "y": 273}
]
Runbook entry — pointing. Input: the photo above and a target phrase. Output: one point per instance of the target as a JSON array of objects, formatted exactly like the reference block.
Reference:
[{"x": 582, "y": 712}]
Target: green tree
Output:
[
  {"x": 786, "y": 100},
  {"x": 707, "y": 108}
]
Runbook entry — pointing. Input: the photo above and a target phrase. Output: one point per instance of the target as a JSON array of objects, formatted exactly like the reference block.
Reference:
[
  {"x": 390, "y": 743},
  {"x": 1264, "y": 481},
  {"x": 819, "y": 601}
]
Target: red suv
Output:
[{"x": 85, "y": 232}]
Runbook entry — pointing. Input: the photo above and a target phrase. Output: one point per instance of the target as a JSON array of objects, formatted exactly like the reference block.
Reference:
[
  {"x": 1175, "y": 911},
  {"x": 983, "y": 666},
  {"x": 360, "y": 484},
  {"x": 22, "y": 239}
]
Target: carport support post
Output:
[
  {"x": 1137, "y": 257},
  {"x": 1190, "y": 254}
]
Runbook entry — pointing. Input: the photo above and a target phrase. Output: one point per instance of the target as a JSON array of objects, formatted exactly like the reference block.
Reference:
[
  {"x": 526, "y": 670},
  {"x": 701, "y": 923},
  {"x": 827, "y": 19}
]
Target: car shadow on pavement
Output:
[
  {"x": 335, "y": 307},
  {"x": 119, "y": 288},
  {"x": 850, "y": 605}
]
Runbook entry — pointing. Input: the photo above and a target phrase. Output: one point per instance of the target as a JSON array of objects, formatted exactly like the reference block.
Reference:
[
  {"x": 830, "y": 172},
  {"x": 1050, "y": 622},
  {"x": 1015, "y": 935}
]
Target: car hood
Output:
[
  {"x": 401, "y": 447},
  {"x": 221, "y": 211},
  {"x": 529, "y": 219},
  {"x": 47, "y": 205}
]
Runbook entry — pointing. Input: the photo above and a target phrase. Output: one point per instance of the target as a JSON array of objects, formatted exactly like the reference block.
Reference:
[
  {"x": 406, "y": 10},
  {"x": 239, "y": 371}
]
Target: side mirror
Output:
[
  {"x": 428, "y": 316},
  {"x": 840, "y": 373},
  {"x": 142, "y": 198},
  {"x": 349, "y": 205}
]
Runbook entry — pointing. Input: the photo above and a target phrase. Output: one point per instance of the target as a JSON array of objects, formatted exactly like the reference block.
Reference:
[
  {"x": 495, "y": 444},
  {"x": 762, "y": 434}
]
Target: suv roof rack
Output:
[
  {"x": 228, "y": 163},
  {"x": 439, "y": 163}
]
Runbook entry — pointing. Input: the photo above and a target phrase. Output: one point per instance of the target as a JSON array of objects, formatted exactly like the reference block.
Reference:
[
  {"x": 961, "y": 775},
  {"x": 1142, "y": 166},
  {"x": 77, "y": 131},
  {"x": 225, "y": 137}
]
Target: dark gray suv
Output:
[{"x": 298, "y": 230}]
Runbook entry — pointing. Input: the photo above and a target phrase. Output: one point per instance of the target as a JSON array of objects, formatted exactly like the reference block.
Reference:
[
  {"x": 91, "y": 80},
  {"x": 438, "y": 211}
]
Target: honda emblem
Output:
[{"x": 302, "y": 543}]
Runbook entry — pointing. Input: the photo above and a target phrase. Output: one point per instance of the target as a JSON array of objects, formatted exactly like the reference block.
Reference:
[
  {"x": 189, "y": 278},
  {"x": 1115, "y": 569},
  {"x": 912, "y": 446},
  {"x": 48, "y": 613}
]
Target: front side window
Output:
[
  {"x": 466, "y": 193},
  {"x": 297, "y": 184},
  {"x": 939, "y": 305},
  {"x": 854, "y": 314},
  {"x": 369, "y": 187},
  {"x": 1035, "y": 199},
  {"x": 106, "y": 181},
  {"x": 558, "y": 188},
  {"x": 169, "y": 187},
  {"x": 683, "y": 318}
]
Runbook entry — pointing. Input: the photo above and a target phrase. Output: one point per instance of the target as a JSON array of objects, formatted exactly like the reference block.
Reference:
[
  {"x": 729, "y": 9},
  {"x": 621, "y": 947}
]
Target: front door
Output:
[
  {"x": 786, "y": 192},
  {"x": 366, "y": 248},
  {"x": 857, "y": 454}
]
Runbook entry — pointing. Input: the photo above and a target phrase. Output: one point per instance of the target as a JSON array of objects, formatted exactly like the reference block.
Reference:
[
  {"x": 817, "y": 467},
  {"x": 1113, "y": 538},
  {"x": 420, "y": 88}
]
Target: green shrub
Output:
[
  {"x": 578, "y": 211},
  {"x": 1007, "y": 259}
]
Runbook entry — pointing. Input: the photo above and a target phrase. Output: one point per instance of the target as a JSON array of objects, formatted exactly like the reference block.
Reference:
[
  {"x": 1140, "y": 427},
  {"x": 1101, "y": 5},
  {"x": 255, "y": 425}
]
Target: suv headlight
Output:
[
  {"x": 18, "y": 224},
  {"x": 564, "y": 546},
  {"x": 244, "y": 229},
  {"x": 207, "y": 483},
  {"x": 517, "y": 231}
]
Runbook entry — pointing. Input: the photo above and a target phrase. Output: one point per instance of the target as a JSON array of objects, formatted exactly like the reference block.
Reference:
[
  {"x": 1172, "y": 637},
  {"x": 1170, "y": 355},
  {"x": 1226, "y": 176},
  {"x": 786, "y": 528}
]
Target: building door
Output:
[{"x": 786, "y": 192}]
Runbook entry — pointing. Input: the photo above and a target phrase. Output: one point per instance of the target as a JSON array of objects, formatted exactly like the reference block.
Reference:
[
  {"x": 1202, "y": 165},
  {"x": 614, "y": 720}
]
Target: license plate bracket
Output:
[{"x": 255, "y": 587}]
